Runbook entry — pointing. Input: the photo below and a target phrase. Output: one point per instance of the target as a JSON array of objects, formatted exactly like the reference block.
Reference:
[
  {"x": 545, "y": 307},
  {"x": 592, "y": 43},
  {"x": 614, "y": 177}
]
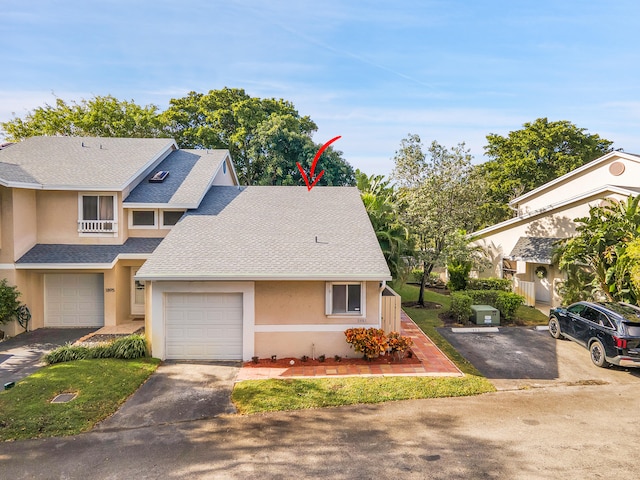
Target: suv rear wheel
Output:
[
  {"x": 554, "y": 328},
  {"x": 597, "y": 354}
]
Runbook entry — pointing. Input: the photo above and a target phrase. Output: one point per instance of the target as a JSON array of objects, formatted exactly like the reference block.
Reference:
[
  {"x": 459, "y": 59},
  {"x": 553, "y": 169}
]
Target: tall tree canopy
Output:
[
  {"x": 532, "y": 156},
  {"x": 97, "y": 117},
  {"x": 266, "y": 137},
  {"x": 441, "y": 194}
]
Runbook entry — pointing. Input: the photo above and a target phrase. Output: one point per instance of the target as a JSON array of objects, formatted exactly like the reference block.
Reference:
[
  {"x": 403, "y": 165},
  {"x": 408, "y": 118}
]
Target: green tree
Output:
[
  {"x": 601, "y": 244},
  {"x": 99, "y": 117},
  {"x": 9, "y": 303},
  {"x": 532, "y": 156},
  {"x": 440, "y": 195},
  {"x": 266, "y": 137},
  {"x": 380, "y": 200}
]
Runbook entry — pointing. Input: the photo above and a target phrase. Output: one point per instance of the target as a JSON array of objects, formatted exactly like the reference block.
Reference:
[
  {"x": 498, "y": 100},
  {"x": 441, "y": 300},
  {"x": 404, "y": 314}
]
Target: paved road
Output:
[
  {"x": 519, "y": 357},
  {"x": 568, "y": 432}
]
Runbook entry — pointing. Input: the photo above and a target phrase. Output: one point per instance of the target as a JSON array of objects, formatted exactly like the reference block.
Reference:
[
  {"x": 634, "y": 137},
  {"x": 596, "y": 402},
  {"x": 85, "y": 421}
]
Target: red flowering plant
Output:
[
  {"x": 371, "y": 342},
  {"x": 399, "y": 344}
]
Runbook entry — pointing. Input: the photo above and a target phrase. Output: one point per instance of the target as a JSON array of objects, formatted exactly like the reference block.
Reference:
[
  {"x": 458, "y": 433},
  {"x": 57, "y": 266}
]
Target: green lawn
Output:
[
  {"x": 102, "y": 386},
  {"x": 253, "y": 396}
]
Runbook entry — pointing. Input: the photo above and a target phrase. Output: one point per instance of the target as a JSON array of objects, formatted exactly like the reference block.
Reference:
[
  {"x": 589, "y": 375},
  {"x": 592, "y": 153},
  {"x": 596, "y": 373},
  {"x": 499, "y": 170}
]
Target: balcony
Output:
[{"x": 97, "y": 226}]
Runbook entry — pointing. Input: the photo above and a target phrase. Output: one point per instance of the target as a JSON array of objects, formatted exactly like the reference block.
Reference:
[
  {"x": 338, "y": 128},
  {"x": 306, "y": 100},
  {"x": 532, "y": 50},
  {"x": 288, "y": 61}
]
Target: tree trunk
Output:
[{"x": 423, "y": 284}]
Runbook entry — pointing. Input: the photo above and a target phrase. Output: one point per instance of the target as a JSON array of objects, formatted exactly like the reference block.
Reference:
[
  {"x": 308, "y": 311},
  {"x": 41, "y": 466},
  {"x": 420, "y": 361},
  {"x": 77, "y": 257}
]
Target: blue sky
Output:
[{"x": 371, "y": 71}]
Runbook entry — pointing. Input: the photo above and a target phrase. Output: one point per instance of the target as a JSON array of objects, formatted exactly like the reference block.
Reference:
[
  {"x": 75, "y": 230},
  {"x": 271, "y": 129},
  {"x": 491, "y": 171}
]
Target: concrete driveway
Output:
[
  {"x": 521, "y": 357},
  {"x": 178, "y": 392},
  {"x": 21, "y": 355}
]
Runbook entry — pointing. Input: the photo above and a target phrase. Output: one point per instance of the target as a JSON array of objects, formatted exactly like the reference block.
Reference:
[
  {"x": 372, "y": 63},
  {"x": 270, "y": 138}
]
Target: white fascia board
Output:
[
  {"x": 82, "y": 266},
  {"x": 249, "y": 277},
  {"x": 164, "y": 206},
  {"x": 156, "y": 159},
  {"x": 64, "y": 266},
  {"x": 573, "y": 173},
  {"x": 553, "y": 206},
  {"x": 233, "y": 168}
]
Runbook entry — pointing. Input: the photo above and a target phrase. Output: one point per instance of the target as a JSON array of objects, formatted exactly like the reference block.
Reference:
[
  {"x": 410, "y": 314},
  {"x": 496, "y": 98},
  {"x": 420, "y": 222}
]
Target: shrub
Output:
[
  {"x": 508, "y": 303},
  {"x": 461, "y": 306},
  {"x": 503, "y": 284},
  {"x": 416, "y": 275},
  {"x": 399, "y": 344},
  {"x": 9, "y": 304},
  {"x": 131, "y": 346},
  {"x": 371, "y": 342},
  {"x": 458, "y": 275}
]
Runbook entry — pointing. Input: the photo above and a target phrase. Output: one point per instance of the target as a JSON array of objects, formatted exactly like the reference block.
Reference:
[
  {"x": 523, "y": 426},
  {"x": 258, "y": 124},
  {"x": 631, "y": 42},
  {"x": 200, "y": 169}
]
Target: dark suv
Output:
[{"x": 611, "y": 331}]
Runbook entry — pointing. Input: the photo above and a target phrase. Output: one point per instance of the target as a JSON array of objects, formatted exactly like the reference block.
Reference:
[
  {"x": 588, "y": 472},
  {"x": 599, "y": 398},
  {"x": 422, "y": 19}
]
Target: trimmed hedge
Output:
[
  {"x": 461, "y": 306},
  {"x": 506, "y": 302},
  {"x": 493, "y": 283},
  {"x": 131, "y": 346}
]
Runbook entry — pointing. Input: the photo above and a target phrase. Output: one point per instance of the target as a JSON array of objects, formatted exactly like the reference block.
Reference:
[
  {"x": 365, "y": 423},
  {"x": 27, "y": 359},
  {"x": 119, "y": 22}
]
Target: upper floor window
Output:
[
  {"x": 171, "y": 217},
  {"x": 143, "y": 218},
  {"x": 97, "y": 214}
]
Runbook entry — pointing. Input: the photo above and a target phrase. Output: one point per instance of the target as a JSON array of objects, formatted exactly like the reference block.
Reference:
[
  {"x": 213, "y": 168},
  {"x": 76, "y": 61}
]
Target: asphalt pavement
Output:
[{"x": 21, "y": 355}]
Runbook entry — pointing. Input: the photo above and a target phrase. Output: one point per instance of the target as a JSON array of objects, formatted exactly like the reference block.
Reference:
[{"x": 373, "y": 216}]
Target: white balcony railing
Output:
[{"x": 97, "y": 226}]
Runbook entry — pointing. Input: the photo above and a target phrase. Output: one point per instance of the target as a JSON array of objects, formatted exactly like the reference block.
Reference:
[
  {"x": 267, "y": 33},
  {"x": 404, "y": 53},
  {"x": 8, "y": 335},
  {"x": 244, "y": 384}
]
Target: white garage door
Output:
[
  {"x": 203, "y": 326},
  {"x": 73, "y": 300}
]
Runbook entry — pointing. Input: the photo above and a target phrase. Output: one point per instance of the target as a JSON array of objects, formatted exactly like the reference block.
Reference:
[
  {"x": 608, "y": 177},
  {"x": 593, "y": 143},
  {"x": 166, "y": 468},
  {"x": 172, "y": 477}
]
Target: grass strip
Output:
[
  {"x": 254, "y": 396},
  {"x": 102, "y": 385}
]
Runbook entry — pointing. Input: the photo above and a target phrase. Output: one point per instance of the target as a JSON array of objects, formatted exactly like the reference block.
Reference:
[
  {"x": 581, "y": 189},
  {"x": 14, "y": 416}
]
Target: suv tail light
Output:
[{"x": 620, "y": 342}]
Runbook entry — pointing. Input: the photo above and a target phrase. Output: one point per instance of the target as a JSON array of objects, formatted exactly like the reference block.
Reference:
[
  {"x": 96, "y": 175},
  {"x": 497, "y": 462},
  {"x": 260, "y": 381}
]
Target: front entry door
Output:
[{"x": 137, "y": 294}]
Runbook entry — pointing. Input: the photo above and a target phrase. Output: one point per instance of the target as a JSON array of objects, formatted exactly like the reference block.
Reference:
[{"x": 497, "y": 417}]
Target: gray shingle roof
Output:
[
  {"x": 534, "y": 249},
  {"x": 272, "y": 232},
  {"x": 190, "y": 172},
  {"x": 63, "y": 162},
  {"x": 79, "y": 254}
]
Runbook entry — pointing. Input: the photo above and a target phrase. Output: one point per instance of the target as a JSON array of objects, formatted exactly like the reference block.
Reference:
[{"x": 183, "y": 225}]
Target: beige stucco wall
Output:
[
  {"x": 293, "y": 302},
  {"x": 559, "y": 224},
  {"x": 58, "y": 219},
  {"x": 24, "y": 221},
  {"x": 589, "y": 180},
  {"x": 297, "y": 344}
]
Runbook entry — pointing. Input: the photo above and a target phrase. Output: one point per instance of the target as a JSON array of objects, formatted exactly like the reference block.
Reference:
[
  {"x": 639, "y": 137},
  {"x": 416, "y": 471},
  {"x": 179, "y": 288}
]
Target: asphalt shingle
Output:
[
  {"x": 190, "y": 172},
  {"x": 533, "y": 249},
  {"x": 64, "y": 254},
  {"x": 272, "y": 232},
  {"x": 79, "y": 162}
]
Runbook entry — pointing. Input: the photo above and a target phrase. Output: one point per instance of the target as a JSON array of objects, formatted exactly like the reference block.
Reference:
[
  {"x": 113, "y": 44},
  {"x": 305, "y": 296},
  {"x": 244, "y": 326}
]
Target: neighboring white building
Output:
[{"x": 521, "y": 247}]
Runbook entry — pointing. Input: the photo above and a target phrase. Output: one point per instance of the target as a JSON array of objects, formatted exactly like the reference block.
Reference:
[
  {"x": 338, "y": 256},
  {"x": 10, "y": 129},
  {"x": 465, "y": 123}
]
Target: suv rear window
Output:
[{"x": 633, "y": 329}]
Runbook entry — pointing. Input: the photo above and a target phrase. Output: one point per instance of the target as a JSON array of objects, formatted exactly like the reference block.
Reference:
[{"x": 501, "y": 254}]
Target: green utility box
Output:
[{"x": 485, "y": 315}]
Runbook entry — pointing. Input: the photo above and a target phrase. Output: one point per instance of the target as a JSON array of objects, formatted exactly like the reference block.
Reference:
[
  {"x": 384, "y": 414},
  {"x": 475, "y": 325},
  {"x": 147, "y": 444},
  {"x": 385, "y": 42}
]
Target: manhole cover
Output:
[{"x": 64, "y": 397}]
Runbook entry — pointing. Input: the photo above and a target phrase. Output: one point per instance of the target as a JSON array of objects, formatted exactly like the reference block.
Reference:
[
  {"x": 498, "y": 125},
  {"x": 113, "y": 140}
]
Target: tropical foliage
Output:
[
  {"x": 9, "y": 303},
  {"x": 381, "y": 202},
  {"x": 597, "y": 260}
]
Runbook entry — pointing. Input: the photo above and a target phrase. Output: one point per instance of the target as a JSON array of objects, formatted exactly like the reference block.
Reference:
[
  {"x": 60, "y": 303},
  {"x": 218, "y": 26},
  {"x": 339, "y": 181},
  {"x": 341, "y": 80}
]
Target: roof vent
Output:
[{"x": 159, "y": 176}]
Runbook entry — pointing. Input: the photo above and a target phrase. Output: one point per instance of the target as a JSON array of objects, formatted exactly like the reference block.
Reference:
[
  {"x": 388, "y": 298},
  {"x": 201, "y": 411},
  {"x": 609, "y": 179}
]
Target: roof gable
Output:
[{"x": 574, "y": 174}]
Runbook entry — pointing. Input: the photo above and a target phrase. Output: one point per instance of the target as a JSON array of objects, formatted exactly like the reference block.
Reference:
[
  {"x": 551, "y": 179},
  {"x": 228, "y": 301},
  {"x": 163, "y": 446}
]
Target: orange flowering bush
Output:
[
  {"x": 399, "y": 344},
  {"x": 371, "y": 342}
]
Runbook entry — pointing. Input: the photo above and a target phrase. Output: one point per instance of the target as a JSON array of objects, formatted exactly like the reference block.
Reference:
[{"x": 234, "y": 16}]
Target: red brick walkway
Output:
[{"x": 433, "y": 363}]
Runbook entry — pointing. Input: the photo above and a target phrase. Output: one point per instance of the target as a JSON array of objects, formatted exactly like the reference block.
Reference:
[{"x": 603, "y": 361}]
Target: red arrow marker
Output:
[{"x": 310, "y": 178}]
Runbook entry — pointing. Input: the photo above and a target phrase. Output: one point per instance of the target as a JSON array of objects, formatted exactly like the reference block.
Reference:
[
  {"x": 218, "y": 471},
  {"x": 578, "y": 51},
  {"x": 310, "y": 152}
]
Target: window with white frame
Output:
[
  {"x": 345, "y": 298},
  {"x": 97, "y": 214},
  {"x": 143, "y": 219}
]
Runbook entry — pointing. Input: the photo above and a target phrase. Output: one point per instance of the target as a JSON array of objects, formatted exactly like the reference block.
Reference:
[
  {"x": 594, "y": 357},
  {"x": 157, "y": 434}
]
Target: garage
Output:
[
  {"x": 203, "y": 326},
  {"x": 73, "y": 300}
]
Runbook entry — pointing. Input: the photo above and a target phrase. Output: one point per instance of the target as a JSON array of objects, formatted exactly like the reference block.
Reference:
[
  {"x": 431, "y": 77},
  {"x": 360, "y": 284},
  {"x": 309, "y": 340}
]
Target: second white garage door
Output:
[
  {"x": 73, "y": 300},
  {"x": 203, "y": 326}
]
